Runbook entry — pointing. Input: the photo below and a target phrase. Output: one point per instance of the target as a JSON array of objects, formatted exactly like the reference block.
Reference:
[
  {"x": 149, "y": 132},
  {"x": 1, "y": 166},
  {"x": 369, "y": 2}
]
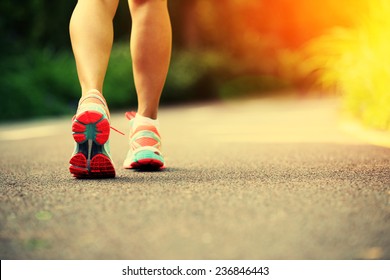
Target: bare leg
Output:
[
  {"x": 150, "y": 45},
  {"x": 91, "y": 33}
]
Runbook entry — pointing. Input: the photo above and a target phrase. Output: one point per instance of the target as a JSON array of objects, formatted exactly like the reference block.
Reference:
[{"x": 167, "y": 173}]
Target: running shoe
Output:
[
  {"x": 91, "y": 130},
  {"x": 145, "y": 146}
]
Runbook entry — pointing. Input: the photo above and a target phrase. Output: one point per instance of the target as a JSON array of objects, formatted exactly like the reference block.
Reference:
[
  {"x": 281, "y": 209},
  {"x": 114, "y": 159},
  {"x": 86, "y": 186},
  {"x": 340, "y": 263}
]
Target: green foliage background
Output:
[
  {"x": 38, "y": 72},
  {"x": 217, "y": 53}
]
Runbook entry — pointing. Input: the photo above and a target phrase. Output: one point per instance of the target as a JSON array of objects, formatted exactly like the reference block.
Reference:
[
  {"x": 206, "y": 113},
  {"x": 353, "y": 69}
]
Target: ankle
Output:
[
  {"x": 148, "y": 112},
  {"x": 91, "y": 91},
  {"x": 142, "y": 120}
]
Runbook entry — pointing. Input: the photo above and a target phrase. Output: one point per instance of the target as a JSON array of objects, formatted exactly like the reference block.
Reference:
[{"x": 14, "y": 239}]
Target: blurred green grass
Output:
[
  {"x": 37, "y": 83},
  {"x": 43, "y": 82}
]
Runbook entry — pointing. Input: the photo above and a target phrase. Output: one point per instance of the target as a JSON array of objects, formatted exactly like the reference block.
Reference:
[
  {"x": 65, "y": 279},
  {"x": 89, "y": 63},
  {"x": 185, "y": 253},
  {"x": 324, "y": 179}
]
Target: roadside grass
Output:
[
  {"x": 37, "y": 83},
  {"x": 42, "y": 82}
]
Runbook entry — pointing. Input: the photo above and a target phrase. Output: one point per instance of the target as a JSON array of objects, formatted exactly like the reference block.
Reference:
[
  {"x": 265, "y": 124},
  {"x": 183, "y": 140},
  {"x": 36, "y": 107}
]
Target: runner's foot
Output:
[
  {"x": 91, "y": 130},
  {"x": 145, "y": 144}
]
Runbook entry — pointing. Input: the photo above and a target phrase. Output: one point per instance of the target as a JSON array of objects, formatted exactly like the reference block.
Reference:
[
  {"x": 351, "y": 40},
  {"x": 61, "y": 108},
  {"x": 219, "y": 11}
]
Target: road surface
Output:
[{"x": 255, "y": 179}]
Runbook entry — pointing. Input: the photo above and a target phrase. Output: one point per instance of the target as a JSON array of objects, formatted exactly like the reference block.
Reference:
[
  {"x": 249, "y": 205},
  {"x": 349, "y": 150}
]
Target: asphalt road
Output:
[{"x": 259, "y": 179}]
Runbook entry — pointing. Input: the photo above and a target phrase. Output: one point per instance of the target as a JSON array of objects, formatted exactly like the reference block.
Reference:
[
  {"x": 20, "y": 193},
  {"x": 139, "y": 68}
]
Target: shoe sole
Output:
[{"x": 91, "y": 131}]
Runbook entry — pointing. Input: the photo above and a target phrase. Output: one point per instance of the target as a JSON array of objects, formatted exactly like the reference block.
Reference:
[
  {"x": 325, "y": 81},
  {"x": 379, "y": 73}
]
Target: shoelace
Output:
[
  {"x": 129, "y": 116},
  {"x": 117, "y": 130}
]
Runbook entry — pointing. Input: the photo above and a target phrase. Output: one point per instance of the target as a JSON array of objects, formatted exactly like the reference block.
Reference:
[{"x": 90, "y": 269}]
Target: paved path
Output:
[{"x": 260, "y": 179}]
